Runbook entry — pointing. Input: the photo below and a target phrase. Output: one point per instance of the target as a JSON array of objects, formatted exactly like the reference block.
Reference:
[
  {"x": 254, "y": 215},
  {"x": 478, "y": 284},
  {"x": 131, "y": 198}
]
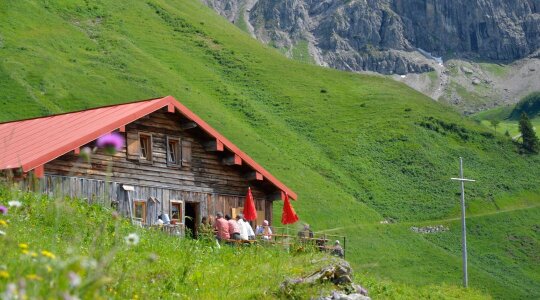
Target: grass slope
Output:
[
  {"x": 508, "y": 116},
  {"x": 357, "y": 149}
]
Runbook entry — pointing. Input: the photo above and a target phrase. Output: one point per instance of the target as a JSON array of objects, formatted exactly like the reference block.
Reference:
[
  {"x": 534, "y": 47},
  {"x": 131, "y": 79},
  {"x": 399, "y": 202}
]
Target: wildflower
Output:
[
  {"x": 153, "y": 257},
  {"x": 3, "y": 223},
  {"x": 23, "y": 246},
  {"x": 48, "y": 254},
  {"x": 4, "y": 274},
  {"x": 67, "y": 296},
  {"x": 74, "y": 279},
  {"x": 49, "y": 269},
  {"x": 34, "y": 277},
  {"x": 2, "y": 233},
  {"x": 89, "y": 263},
  {"x": 24, "y": 251},
  {"x": 132, "y": 239},
  {"x": 15, "y": 203},
  {"x": 112, "y": 142},
  {"x": 11, "y": 292},
  {"x": 3, "y": 210}
]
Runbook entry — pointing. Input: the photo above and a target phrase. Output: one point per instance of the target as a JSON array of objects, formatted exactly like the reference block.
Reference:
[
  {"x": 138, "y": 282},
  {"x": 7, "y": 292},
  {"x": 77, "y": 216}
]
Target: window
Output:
[
  {"x": 177, "y": 211},
  {"x": 139, "y": 211},
  {"x": 145, "y": 142},
  {"x": 173, "y": 151}
]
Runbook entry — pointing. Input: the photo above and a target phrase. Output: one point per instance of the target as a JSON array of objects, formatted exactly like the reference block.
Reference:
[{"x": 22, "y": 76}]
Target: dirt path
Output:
[{"x": 434, "y": 221}]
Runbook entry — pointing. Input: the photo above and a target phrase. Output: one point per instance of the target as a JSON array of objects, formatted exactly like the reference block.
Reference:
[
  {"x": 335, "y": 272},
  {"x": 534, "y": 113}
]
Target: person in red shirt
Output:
[
  {"x": 221, "y": 226},
  {"x": 234, "y": 228}
]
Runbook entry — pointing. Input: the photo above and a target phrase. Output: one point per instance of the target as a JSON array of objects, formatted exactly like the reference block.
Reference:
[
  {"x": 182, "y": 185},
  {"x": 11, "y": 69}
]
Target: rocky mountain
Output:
[
  {"x": 395, "y": 36},
  {"x": 379, "y": 35}
]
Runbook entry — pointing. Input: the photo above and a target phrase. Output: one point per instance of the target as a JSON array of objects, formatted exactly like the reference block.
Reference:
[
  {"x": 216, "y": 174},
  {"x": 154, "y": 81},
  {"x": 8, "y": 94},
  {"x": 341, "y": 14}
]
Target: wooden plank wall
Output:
[
  {"x": 102, "y": 192},
  {"x": 207, "y": 180}
]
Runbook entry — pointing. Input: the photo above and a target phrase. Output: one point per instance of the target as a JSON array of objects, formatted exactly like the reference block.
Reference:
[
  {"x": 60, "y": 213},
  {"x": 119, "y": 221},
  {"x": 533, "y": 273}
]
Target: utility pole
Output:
[{"x": 463, "y": 225}]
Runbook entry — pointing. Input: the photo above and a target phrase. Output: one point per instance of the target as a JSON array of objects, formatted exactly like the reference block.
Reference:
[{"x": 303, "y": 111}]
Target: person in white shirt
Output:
[
  {"x": 244, "y": 235},
  {"x": 251, "y": 234}
]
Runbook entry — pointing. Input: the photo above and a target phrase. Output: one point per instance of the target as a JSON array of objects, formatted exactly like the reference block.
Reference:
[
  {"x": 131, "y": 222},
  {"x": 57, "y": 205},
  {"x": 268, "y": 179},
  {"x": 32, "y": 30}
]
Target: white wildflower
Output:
[
  {"x": 74, "y": 279},
  {"x": 2, "y": 232},
  {"x": 11, "y": 292},
  {"x": 15, "y": 203},
  {"x": 132, "y": 239},
  {"x": 89, "y": 263}
]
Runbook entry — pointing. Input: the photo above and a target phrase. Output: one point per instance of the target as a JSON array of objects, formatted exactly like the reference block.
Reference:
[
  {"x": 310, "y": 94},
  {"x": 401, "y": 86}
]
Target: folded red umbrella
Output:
[
  {"x": 288, "y": 216},
  {"x": 250, "y": 213}
]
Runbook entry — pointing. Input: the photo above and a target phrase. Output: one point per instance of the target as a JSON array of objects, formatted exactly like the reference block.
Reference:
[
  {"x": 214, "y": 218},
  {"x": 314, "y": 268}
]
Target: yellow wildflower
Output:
[
  {"x": 4, "y": 274},
  {"x": 23, "y": 246},
  {"x": 24, "y": 251},
  {"x": 3, "y": 223},
  {"x": 33, "y": 277},
  {"x": 33, "y": 254},
  {"x": 48, "y": 254},
  {"x": 49, "y": 269}
]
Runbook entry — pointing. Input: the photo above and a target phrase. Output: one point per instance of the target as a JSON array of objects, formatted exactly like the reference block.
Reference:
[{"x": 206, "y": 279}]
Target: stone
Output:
[
  {"x": 339, "y": 272},
  {"x": 430, "y": 229},
  {"x": 466, "y": 70},
  {"x": 476, "y": 81}
]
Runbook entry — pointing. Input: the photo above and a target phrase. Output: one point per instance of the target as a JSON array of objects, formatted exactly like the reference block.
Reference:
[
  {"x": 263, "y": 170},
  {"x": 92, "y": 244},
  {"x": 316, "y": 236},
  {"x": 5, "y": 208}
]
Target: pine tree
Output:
[{"x": 530, "y": 140}]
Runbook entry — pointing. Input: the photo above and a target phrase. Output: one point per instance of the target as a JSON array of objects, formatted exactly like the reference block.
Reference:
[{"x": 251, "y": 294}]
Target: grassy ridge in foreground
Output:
[
  {"x": 64, "y": 248},
  {"x": 357, "y": 149}
]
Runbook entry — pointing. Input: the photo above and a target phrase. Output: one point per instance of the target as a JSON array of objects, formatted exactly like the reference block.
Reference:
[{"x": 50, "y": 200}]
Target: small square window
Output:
[
  {"x": 146, "y": 147},
  {"x": 139, "y": 211},
  {"x": 173, "y": 151},
  {"x": 176, "y": 211}
]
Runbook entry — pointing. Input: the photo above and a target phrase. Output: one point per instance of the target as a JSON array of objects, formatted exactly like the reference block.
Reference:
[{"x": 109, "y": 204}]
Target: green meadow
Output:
[{"x": 357, "y": 149}]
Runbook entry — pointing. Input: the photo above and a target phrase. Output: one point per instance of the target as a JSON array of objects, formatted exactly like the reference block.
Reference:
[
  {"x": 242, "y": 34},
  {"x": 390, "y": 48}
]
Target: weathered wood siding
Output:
[{"x": 206, "y": 180}]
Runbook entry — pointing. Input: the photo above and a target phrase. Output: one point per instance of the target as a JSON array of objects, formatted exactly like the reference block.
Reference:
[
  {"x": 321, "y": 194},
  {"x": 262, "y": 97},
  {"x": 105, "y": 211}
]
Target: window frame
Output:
[
  {"x": 178, "y": 148},
  {"x": 180, "y": 220},
  {"x": 150, "y": 151},
  {"x": 143, "y": 204}
]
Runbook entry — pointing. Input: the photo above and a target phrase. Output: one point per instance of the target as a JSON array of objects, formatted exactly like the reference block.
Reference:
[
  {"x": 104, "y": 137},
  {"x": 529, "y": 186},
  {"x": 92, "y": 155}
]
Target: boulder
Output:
[{"x": 339, "y": 272}]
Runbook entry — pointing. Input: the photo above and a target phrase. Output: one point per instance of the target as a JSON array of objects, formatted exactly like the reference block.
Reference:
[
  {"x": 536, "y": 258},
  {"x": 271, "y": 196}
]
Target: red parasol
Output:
[
  {"x": 250, "y": 213},
  {"x": 288, "y": 216}
]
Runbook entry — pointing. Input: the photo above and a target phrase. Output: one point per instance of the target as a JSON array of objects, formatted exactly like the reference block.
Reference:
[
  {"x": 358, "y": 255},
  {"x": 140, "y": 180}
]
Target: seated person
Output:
[
  {"x": 221, "y": 227},
  {"x": 265, "y": 231},
  {"x": 338, "y": 250},
  {"x": 234, "y": 228},
  {"x": 306, "y": 232}
]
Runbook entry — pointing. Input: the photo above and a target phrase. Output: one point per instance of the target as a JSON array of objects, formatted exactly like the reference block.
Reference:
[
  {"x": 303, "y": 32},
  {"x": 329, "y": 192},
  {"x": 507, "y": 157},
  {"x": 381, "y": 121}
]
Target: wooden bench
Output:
[{"x": 240, "y": 242}]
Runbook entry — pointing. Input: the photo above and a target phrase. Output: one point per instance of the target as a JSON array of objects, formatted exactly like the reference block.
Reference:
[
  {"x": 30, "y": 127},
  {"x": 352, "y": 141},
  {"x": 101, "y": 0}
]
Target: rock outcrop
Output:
[
  {"x": 339, "y": 273},
  {"x": 381, "y": 35}
]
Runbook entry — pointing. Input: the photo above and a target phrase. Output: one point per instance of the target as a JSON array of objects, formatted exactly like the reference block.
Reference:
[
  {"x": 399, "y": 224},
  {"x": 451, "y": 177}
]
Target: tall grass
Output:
[{"x": 54, "y": 248}]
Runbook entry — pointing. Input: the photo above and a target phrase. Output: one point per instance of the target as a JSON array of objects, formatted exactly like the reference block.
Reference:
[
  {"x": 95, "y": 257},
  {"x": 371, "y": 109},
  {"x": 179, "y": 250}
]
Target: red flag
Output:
[
  {"x": 250, "y": 213},
  {"x": 288, "y": 216}
]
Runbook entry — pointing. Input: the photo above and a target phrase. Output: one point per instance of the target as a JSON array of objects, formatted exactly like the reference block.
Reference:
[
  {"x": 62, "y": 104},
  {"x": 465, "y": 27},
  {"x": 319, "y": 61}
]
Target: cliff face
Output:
[{"x": 383, "y": 35}]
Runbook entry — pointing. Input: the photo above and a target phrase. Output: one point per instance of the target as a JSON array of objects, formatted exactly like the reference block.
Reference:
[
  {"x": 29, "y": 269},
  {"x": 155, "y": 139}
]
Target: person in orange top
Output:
[
  {"x": 221, "y": 226},
  {"x": 234, "y": 228}
]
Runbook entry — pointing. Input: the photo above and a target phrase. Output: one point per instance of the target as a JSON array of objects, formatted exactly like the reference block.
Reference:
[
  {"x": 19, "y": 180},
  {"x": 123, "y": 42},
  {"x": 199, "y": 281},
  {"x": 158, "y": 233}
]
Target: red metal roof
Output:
[{"x": 32, "y": 143}]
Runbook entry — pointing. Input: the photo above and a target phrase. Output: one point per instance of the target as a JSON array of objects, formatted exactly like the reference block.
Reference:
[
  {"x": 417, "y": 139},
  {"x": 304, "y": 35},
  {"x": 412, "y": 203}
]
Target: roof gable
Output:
[{"x": 32, "y": 143}]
